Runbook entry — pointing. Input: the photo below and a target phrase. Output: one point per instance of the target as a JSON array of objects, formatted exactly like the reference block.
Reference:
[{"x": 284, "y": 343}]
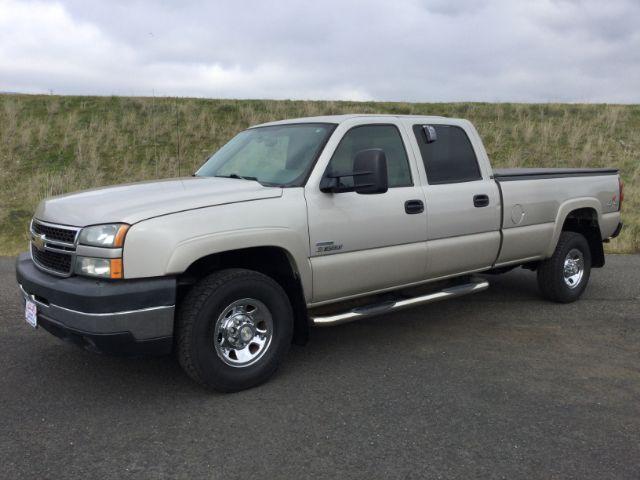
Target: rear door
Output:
[
  {"x": 364, "y": 243},
  {"x": 462, "y": 202}
]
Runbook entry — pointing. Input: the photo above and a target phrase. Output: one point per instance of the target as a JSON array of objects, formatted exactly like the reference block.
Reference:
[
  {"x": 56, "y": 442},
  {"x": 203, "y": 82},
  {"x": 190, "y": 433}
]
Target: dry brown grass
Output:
[{"x": 51, "y": 145}]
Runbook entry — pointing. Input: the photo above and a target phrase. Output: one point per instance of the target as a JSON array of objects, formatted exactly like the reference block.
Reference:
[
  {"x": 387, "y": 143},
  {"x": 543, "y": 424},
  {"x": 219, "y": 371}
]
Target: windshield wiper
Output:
[
  {"x": 255, "y": 179},
  {"x": 235, "y": 175}
]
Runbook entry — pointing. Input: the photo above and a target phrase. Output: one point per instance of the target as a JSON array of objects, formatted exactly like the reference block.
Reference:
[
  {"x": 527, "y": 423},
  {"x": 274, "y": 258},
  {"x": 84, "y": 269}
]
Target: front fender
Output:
[
  {"x": 190, "y": 250},
  {"x": 169, "y": 244}
]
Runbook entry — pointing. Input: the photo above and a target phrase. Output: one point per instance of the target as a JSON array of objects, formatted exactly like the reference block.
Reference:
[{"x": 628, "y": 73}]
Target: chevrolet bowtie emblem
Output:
[{"x": 38, "y": 241}]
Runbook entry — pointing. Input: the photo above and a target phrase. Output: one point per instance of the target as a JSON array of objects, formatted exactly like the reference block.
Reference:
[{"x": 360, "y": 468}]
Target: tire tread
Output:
[
  {"x": 550, "y": 284},
  {"x": 192, "y": 305}
]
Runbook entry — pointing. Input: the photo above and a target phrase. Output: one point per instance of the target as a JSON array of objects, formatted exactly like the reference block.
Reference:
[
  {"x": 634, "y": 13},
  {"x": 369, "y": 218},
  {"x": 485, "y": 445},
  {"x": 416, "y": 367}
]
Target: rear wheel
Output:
[
  {"x": 234, "y": 328},
  {"x": 564, "y": 277}
]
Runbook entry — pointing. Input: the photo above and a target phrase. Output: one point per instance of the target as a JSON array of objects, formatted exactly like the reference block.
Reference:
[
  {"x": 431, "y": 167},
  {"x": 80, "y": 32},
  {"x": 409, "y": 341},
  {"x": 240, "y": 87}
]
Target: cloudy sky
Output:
[{"x": 413, "y": 50}]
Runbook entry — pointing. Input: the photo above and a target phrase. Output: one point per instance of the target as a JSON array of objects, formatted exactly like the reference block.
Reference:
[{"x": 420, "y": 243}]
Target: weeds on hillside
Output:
[{"x": 50, "y": 145}]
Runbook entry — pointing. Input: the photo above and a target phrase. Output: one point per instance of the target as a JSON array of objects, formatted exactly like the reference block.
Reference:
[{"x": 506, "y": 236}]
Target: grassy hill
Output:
[{"x": 52, "y": 144}]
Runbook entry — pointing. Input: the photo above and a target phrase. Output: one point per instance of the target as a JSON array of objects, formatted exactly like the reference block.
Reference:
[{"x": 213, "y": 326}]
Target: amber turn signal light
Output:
[
  {"x": 116, "y": 267},
  {"x": 119, "y": 240}
]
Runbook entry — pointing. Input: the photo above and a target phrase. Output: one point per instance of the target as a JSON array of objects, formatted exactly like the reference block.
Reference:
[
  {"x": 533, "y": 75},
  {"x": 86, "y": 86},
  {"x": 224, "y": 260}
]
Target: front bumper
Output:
[{"x": 125, "y": 317}]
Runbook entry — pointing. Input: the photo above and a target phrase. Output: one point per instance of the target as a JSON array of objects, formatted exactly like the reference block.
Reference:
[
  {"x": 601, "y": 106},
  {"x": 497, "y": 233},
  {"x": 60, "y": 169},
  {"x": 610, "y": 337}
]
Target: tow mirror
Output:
[
  {"x": 369, "y": 175},
  {"x": 370, "y": 172},
  {"x": 430, "y": 133}
]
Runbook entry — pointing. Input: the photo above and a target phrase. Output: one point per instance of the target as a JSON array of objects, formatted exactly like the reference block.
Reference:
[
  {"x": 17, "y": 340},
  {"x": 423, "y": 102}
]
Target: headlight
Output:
[
  {"x": 108, "y": 236},
  {"x": 99, "y": 267},
  {"x": 104, "y": 236}
]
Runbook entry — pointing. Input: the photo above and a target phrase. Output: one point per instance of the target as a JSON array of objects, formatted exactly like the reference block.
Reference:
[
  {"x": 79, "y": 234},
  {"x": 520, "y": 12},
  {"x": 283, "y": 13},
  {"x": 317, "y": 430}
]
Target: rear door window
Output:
[{"x": 451, "y": 158}]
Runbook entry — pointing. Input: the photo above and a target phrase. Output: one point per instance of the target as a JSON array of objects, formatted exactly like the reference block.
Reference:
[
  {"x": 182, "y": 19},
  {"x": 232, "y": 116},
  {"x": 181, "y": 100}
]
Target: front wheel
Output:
[
  {"x": 563, "y": 277},
  {"x": 234, "y": 328}
]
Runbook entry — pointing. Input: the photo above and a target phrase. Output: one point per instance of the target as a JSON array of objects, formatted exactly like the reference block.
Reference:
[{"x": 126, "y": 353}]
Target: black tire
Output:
[
  {"x": 551, "y": 272},
  {"x": 197, "y": 317}
]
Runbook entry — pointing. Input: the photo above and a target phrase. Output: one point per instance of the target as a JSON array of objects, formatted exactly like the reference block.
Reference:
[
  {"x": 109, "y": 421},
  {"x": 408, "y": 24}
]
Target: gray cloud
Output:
[{"x": 416, "y": 50}]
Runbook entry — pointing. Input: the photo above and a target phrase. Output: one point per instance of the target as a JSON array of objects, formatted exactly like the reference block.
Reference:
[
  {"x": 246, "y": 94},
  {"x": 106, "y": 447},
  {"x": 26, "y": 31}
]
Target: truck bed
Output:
[
  {"x": 509, "y": 174},
  {"x": 535, "y": 202}
]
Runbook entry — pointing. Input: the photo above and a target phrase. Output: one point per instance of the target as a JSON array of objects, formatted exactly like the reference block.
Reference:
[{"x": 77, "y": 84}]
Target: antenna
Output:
[
  {"x": 153, "y": 126},
  {"x": 177, "y": 133}
]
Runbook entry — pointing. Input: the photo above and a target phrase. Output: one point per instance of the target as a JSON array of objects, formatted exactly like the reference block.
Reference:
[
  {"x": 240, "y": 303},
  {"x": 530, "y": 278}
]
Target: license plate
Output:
[{"x": 31, "y": 313}]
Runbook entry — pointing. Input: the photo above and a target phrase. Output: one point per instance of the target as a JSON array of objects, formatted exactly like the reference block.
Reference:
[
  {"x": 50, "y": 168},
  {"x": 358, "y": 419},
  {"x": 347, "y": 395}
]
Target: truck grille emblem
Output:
[{"x": 38, "y": 241}]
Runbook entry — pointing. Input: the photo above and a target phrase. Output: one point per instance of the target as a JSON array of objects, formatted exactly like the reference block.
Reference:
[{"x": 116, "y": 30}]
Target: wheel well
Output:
[
  {"x": 275, "y": 262},
  {"x": 585, "y": 222}
]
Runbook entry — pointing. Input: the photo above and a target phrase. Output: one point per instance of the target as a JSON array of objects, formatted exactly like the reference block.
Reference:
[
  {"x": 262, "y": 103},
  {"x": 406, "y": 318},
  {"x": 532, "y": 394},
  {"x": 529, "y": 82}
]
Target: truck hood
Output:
[{"x": 131, "y": 203}]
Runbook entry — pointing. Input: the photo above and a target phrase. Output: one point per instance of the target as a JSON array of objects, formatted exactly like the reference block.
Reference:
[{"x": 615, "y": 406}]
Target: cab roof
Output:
[{"x": 337, "y": 119}]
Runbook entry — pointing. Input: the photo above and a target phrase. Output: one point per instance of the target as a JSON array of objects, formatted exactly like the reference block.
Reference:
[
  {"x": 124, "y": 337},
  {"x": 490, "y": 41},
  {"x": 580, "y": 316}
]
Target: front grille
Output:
[
  {"x": 53, "y": 247},
  {"x": 55, "y": 234},
  {"x": 54, "y": 261}
]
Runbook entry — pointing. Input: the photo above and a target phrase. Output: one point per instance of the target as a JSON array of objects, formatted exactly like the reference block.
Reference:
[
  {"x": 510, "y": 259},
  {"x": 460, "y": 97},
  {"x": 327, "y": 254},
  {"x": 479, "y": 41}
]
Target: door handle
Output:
[
  {"x": 480, "y": 201},
  {"x": 413, "y": 206}
]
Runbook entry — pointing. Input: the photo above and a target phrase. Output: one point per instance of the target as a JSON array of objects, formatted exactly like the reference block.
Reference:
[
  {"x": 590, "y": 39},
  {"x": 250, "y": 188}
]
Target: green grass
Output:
[{"x": 52, "y": 144}]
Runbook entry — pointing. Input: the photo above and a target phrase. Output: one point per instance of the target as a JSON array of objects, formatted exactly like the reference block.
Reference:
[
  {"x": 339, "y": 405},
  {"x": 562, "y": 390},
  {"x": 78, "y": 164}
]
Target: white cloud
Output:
[{"x": 417, "y": 50}]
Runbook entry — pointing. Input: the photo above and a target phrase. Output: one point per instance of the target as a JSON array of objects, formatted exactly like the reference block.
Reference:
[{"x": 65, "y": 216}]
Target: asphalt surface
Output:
[{"x": 497, "y": 385}]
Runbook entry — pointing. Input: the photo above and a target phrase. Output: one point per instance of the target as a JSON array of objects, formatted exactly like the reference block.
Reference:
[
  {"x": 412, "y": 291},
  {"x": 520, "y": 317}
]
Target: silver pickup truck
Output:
[{"x": 300, "y": 223}]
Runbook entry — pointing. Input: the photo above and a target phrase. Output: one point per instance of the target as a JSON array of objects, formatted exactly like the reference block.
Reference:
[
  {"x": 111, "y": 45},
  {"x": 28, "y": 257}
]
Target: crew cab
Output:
[{"x": 300, "y": 223}]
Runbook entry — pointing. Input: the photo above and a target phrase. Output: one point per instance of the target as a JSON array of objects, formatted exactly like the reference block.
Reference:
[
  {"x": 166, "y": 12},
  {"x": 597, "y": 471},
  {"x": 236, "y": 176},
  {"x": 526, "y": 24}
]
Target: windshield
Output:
[{"x": 279, "y": 155}]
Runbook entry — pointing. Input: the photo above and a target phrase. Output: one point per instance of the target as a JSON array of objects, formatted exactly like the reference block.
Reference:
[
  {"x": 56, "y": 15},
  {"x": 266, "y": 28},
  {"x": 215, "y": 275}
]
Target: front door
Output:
[{"x": 365, "y": 243}]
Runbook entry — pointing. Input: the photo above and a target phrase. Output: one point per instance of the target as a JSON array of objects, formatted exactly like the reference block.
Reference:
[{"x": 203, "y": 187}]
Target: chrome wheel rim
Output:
[
  {"x": 243, "y": 332},
  {"x": 573, "y": 268}
]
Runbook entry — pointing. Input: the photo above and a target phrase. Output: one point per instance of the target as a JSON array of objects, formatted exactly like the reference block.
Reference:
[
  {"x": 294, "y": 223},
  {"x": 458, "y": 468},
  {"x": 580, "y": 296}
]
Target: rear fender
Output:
[{"x": 563, "y": 212}]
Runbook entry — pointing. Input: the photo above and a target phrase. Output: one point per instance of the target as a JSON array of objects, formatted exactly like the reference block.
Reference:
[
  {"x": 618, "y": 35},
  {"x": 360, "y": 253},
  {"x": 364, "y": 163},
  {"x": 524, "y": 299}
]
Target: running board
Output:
[{"x": 475, "y": 285}]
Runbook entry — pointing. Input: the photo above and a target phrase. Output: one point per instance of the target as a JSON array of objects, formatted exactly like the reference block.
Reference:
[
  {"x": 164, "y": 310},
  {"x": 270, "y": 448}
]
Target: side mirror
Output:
[
  {"x": 429, "y": 133},
  {"x": 370, "y": 172},
  {"x": 369, "y": 175}
]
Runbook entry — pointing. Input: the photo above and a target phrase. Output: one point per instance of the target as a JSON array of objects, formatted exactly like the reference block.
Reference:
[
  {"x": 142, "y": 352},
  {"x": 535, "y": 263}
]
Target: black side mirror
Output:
[
  {"x": 371, "y": 168},
  {"x": 369, "y": 175}
]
